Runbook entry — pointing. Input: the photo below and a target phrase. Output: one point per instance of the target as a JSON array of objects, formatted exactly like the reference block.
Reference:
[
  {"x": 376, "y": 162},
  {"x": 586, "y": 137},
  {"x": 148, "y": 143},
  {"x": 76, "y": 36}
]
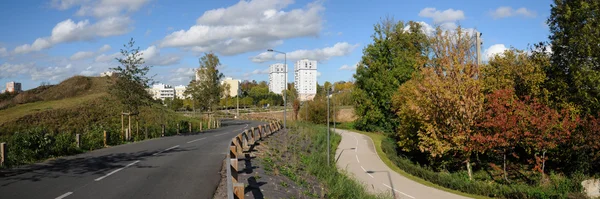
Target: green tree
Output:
[
  {"x": 131, "y": 83},
  {"x": 208, "y": 90},
  {"x": 445, "y": 100},
  {"x": 386, "y": 64},
  {"x": 517, "y": 70},
  {"x": 574, "y": 75}
]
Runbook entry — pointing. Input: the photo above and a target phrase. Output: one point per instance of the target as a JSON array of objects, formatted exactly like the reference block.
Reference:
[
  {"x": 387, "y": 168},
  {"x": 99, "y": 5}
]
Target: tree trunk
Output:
[
  {"x": 543, "y": 163},
  {"x": 469, "y": 170},
  {"x": 504, "y": 167}
]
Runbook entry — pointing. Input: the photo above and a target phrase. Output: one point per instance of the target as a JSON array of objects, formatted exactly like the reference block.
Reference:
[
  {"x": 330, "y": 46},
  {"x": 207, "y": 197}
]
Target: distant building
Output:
[
  {"x": 162, "y": 91},
  {"x": 234, "y": 86},
  {"x": 305, "y": 79},
  {"x": 179, "y": 92},
  {"x": 13, "y": 87},
  {"x": 277, "y": 78},
  {"x": 108, "y": 74}
]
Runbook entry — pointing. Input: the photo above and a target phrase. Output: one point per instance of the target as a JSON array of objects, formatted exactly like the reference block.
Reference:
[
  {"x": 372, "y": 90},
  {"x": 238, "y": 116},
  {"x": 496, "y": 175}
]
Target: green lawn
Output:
[{"x": 18, "y": 111}]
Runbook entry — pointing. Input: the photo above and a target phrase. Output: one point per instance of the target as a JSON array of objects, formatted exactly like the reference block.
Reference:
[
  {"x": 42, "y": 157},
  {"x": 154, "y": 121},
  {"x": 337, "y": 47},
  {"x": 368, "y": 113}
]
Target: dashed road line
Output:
[
  {"x": 64, "y": 195},
  {"x": 398, "y": 191},
  {"x": 196, "y": 140},
  {"x": 220, "y": 134},
  {"x": 357, "y": 158},
  {"x": 165, "y": 150},
  {"x": 115, "y": 171}
]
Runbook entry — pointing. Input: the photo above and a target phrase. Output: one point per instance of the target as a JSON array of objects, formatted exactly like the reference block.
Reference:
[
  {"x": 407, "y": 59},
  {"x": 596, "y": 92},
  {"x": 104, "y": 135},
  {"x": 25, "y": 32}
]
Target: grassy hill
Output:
[{"x": 47, "y": 117}]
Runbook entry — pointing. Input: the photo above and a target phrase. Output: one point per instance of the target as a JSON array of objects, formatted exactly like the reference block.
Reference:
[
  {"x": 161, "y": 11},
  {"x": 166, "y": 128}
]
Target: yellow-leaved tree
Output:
[{"x": 439, "y": 107}]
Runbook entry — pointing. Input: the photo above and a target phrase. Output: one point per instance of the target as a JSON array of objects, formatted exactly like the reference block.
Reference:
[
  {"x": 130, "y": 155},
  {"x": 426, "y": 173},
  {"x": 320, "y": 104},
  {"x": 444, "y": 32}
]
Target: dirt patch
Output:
[
  {"x": 272, "y": 170},
  {"x": 345, "y": 115}
]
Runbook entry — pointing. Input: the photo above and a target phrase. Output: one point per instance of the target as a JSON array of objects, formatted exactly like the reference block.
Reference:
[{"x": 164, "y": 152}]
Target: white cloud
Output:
[
  {"x": 494, "y": 50},
  {"x": 3, "y": 52},
  {"x": 351, "y": 68},
  {"x": 247, "y": 26},
  {"x": 87, "y": 54},
  {"x": 107, "y": 58},
  {"x": 507, "y": 11},
  {"x": 104, "y": 48},
  {"x": 318, "y": 74},
  {"x": 449, "y": 15},
  {"x": 52, "y": 73},
  {"x": 69, "y": 31},
  {"x": 153, "y": 57},
  {"x": 181, "y": 76},
  {"x": 8, "y": 70},
  {"x": 337, "y": 50},
  {"x": 100, "y": 8},
  {"x": 82, "y": 55}
]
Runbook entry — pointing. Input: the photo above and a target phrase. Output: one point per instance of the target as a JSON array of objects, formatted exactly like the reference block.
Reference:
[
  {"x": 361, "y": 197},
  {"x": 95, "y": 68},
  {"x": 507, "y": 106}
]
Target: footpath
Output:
[{"x": 357, "y": 155}]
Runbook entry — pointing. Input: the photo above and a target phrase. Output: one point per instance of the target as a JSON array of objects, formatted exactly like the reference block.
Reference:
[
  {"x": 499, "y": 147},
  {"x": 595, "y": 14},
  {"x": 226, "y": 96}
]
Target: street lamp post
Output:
[
  {"x": 328, "y": 144},
  {"x": 285, "y": 87}
]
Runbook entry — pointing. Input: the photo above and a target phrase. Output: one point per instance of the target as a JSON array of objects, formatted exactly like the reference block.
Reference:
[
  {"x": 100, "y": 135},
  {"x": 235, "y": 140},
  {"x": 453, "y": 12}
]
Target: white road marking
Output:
[
  {"x": 220, "y": 134},
  {"x": 115, "y": 171},
  {"x": 398, "y": 191},
  {"x": 165, "y": 150},
  {"x": 357, "y": 159},
  {"x": 64, "y": 195},
  {"x": 196, "y": 140},
  {"x": 363, "y": 168},
  {"x": 355, "y": 148},
  {"x": 370, "y": 175}
]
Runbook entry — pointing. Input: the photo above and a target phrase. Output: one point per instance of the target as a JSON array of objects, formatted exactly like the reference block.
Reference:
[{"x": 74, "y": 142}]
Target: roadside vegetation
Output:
[
  {"x": 300, "y": 155},
  {"x": 41, "y": 123},
  {"x": 522, "y": 125}
]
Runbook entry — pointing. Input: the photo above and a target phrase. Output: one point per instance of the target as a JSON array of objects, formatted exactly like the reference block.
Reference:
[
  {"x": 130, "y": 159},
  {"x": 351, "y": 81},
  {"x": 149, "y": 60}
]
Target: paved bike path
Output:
[{"x": 357, "y": 155}]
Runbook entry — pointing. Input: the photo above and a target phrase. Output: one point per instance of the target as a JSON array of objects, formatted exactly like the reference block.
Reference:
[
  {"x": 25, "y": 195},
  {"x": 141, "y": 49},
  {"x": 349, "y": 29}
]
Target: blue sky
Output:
[{"x": 49, "y": 41}]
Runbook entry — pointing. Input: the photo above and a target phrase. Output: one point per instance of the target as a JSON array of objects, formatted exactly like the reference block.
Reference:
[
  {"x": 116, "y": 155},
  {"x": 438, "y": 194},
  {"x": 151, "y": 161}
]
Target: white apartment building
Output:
[
  {"x": 13, "y": 87},
  {"x": 277, "y": 78},
  {"x": 305, "y": 79},
  {"x": 179, "y": 92},
  {"x": 234, "y": 86},
  {"x": 162, "y": 91}
]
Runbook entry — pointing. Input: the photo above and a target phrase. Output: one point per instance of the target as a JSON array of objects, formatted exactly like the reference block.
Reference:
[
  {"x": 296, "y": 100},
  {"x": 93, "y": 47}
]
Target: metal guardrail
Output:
[{"x": 241, "y": 145}]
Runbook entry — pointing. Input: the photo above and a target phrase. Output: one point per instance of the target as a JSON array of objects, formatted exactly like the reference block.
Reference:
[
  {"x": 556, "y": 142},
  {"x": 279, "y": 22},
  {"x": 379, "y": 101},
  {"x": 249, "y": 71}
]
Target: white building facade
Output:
[
  {"x": 179, "y": 92},
  {"x": 305, "y": 79},
  {"x": 162, "y": 91},
  {"x": 277, "y": 78},
  {"x": 234, "y": 86}
]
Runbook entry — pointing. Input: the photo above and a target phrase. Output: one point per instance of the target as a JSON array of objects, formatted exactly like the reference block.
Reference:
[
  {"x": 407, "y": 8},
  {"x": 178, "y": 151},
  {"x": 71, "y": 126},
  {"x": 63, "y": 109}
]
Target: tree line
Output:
[{"x": 521, "y": 116}]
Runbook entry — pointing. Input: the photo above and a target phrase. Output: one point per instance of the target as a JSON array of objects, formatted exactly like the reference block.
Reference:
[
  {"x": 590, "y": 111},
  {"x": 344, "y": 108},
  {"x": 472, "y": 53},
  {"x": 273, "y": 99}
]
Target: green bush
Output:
[
  {"x": 561, "y": 187},
  {"x": 64, "y": 144}
]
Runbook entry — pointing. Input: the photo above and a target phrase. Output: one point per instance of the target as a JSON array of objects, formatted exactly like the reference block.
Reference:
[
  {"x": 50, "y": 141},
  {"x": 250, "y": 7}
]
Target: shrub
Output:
[{"x": 561, "y": 186}]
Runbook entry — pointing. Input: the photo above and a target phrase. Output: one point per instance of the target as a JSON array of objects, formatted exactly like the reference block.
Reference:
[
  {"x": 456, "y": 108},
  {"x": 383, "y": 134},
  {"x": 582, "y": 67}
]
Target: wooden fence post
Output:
[
  {"x": 177, "y": 128},
  {"x": 200, "y": 125},
  {"x": 3, "y": 153},
  {"x": 190, "y": 125},
  {"x": 146, "y": 132},
  {"x": 105, "y": 141},
  {"x": 163, "y": 131},
  {"x": 77, "y": 140}
]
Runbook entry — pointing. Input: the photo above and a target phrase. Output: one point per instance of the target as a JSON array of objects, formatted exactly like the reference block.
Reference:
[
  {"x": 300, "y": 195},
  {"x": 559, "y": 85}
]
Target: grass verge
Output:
[{"x": 304, "y": 152}]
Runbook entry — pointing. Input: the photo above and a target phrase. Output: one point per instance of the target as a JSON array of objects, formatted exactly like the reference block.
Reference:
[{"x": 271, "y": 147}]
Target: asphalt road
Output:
[
  {"x": 185, "y": 166},
  {"x": 356, "y": 154}
]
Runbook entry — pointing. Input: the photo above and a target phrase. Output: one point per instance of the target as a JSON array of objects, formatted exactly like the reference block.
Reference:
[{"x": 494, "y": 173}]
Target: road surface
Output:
[
  {"x": 356, "y": 154},
  {"x": 185, "y": 166}
]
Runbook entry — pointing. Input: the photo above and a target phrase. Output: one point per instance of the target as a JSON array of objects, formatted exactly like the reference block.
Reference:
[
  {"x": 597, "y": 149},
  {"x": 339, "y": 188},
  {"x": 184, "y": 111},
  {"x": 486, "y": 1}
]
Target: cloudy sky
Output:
[{"x": 48, "y": 41}]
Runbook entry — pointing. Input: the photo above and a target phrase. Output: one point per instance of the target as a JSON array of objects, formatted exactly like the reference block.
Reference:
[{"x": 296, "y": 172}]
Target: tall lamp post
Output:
[{"x": 285, "y": 87}]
